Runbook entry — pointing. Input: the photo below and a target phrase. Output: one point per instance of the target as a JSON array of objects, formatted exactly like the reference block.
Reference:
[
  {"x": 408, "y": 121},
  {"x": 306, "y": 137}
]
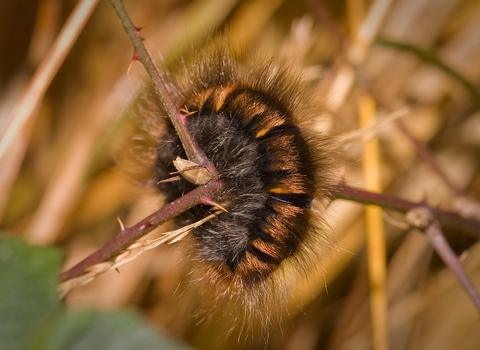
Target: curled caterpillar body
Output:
[
  {"x": 250, "y": 120},
  {"x": 263, "y": 159}
]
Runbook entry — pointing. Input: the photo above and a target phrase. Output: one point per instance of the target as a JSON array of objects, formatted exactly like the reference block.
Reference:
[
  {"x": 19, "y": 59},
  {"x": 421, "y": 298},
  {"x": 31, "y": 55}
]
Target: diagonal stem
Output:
[
  {"x": 428, "y": 158},
  {"x": 14, "y": 139},
  {"x": 438, "y": 241},
  {"x": 193, "y": 151},
  {"x": 129, "y": 235}
]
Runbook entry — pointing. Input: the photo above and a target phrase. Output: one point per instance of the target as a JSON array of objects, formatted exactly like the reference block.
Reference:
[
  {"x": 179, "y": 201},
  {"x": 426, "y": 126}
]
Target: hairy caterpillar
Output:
[{"x": 255, "y": 123}]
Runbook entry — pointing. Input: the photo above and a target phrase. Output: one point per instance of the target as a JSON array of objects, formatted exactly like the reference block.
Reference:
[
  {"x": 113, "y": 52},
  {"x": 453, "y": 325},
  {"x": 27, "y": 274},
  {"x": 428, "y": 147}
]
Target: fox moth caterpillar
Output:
[{"x": 254, "y": 121}]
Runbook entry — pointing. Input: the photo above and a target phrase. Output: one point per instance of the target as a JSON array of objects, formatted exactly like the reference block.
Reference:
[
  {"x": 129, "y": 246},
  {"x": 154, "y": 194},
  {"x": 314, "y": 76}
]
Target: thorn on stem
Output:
[
  {"x": 208, "y": 201},
  {"x": 170, "y": 179},
  {"x": 424, "y": 199},
  {"x": 135, "y": 58},
  {"x": 145, "y": 226},
  {"x": 137, "y": 32},
  {"x": 343, "y": 180},
  {"x": 186, "y": 112},
  {"x": 122, "y": 226}
]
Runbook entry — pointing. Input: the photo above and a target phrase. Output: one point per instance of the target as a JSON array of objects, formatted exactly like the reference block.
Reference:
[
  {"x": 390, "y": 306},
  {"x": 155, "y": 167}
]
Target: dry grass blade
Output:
[
  {"x": 129, "y": 254},
  {"x": 371, "y": 131},
  {"x": 16, "y": 137}
]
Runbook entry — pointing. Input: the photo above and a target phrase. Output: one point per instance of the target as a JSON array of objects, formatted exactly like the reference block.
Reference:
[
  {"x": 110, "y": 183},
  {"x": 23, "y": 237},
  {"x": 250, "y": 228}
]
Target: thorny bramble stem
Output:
[
  {"x": 214, "y": 187},
  {"x": 129, "y": 235},
  {"x": 211, "y": 190},
  {"x": 446, "y": 219},
  {"x": 194, "y": 153}
]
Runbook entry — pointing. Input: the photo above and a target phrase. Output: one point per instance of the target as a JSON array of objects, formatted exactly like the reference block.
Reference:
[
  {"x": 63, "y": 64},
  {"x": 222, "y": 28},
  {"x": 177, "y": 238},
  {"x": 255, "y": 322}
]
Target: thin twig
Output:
[
  {"x": 372, "y": 130},
  {"x": 447, "y": 219},
  {"x": 129, "y": 254},
  {"x": 193, "y": 151},
  {"x": 129, "y": 235},
  {"x": 428, "y": 158},
  {"x": 371, "y": 25},
  {"x": 422, "y": 218},
  {"x": 441, "y": 246},
  {"x": 202, "y": 194}
]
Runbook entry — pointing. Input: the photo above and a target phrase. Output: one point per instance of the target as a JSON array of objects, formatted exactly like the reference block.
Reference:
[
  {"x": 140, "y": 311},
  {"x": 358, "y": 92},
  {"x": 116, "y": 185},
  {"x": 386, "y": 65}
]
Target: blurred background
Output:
[{"x": 414, "y": 64}]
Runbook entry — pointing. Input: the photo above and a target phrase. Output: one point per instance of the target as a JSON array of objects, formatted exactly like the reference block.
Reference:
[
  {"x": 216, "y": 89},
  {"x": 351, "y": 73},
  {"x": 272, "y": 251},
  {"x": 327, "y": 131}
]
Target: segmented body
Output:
[{"x": 251, "y": 138}]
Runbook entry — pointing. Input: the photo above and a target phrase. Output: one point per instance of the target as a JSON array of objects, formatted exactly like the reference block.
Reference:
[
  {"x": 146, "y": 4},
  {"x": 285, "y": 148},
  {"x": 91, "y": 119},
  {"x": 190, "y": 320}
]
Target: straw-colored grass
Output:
[{"x": 69, "y": 190}]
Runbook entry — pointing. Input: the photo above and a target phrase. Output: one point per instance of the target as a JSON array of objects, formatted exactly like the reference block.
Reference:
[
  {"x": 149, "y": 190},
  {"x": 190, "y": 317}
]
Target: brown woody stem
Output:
[
  {"x": 447, "y": 219},
  {"x": 129, "y": 235},
  {"x": 440, "y": 244},
  {"x": 193, "y": 151}
]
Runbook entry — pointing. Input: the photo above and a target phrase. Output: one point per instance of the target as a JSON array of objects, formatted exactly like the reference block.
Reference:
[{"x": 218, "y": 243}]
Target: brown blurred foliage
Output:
[{"x": 70, "y": 189}]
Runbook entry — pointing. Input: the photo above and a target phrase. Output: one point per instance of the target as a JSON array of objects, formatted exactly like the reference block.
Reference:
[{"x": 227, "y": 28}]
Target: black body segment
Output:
[{"x": 252, "y": 140}]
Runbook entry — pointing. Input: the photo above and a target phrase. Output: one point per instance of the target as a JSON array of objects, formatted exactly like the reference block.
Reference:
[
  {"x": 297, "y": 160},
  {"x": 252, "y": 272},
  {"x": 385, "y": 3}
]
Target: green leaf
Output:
[
  {"x": 94, "y": 330},
  {"x": 31, "y": 316},
  {"x": 28, "y": 282}
]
